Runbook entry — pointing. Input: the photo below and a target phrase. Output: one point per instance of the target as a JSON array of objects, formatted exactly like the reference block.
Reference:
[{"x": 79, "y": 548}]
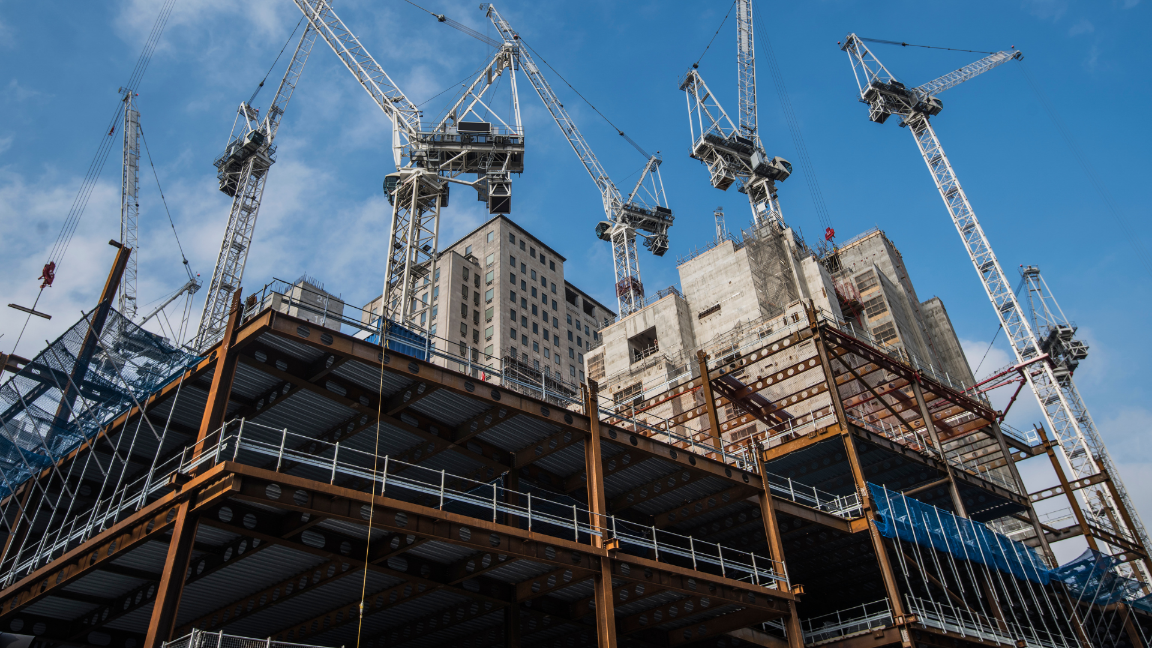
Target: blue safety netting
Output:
[
  {"x": 1092, "y": 578},
  {"x": 38, "y": 425},
  {"x": 914, "y": 521}
]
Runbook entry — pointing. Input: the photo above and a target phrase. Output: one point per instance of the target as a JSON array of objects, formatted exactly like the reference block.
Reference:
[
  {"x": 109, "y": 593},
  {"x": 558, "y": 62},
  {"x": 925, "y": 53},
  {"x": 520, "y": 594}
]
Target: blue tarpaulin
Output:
[
  {"x": 914, "y": 521},
  {"x": 402, "y": 339},
  {"x": 1092, "y": 578}
]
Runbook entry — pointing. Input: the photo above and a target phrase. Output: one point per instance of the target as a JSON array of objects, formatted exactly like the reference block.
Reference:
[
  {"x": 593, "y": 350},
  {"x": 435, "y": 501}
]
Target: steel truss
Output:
[
  {"x": 130, "y": 203},
  {"x": 644, "y": 212},
  {"x": 1064, "y": 409},
  {"x": 243, "y": 171},
  {"x": 416, "y": 203}
]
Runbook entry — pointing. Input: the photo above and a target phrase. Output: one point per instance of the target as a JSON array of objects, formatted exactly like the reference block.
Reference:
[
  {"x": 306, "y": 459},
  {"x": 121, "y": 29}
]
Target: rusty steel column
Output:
[
  {"x": 957, "y": 502},
  {"x": 171, "y": 587},
  {"x": 887, "y": 574},
  {"x": 512, "y": 626},
  {"x": 1032, "y": 516},
  {"x": 776, "y": 546},
  {"x": 225, "y": 370},
  {"x": 709, "y": 400},
  {"x": 1080, "y": 519},
  {"x": 598, "y": 506},
  {"x": 829, "y": 376}
]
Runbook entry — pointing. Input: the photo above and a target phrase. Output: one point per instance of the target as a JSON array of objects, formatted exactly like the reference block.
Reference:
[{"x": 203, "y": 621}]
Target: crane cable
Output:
[
  {"x": 183, "y": 258},
  {"x": 903, "y": 44},
  {"x": 722, "y": 23},
  {"x": 495, "y": 43},
  {"x": 273, "y": 66},
  {"x": 794, "y": 128},
  {"x": 88, "y": 184}
]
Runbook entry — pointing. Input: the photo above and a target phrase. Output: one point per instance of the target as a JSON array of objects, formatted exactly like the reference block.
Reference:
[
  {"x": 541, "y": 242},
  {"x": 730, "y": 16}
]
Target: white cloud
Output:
[
  {"x": 1082, "y": 26},
  {"x": 1046, "y": 9},
  {"x": 20, "y": 92},
  {"x": 1093, "y": 59}
]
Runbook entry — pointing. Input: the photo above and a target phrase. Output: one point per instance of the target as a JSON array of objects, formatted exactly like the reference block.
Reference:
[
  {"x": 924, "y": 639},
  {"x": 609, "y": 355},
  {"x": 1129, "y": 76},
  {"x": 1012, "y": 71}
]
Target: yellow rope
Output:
[{"x": 375, "y": 463}]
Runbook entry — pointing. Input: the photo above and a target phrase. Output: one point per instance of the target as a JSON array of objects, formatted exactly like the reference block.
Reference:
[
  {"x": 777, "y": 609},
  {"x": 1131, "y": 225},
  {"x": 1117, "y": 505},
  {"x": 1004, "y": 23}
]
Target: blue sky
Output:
[{"x": 323, "y": 212}]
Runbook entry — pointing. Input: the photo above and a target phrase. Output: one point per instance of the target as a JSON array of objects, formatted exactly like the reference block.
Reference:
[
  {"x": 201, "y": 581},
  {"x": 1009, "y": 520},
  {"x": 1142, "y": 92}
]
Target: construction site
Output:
[{"x": 789, "y": 448}]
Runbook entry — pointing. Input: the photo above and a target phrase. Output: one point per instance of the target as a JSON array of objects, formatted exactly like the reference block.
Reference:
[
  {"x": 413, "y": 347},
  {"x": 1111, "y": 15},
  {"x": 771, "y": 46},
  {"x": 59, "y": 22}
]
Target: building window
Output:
[
  {"x": 475, "y": 336},
  {"x": 532, "y": 253},
  {"x": 571, "y": 353},
  {"x": 511, "y": 260},
  {"x": 536, "y": 348},
  {"x": 435, "y": 292},
  {"x": 488, "y": 277},
  {"x": 434, "y": 309},
  {"x": 476, "y": 317},
  {"x": 524, "y": 340},
  {"x": 579, "y": 342},
  {"x": 423, "y": 317},
  {"x": 553, "y": 287},
  {"x": 569, "y": 319},
  {"x": 491, "y": 236},
  {"x": 535, "y": 329},
  {"x": 556, "y": 359},
  {"x": 542, "y": 261},
  {"x": 463, "y": 348},
  {"x": 524, "y": 321},
  {"x": 466, "y": 275},
  {"x": 866, "y": 280},
  {"x": 512, "y": 312},
  {"x": 488, "y": 333},
  {"x": 512, "y": 295},
  {"x": 432, "y": 331},
  {"x": 533, "y": 309},
  {"x": 521, "y": 244},
  {"x": 488, "y": 314},
  {"x": 512, "y": 239},
  {"x": 513, "y": 334},
  {"x": 569, "y": 336},
  {"x": 885, "y": 332},
  {"x": 476, "y": 280},
  {"x": 488, "y": 352},
  {"x": 523, "y": 268},
  {"x": 572, "y": 370},
  {"x": 875, "y": 307},
  {"x": 436, "y": 275},
  {"x": 536, "y": 362},
  {"x": 581, "y": 375},
  {"x": 523, "y": 302},
  {"x": 490, "y": 259},
  {"x": 523, "y": 285},
  {"x": 544, "y": 282},
  {"x": 463, "y": 328},
  {"x": 468, "y": 251},
  {"x": 547, "y": 354},
  {"x": 533, "y": 291},
  {"x": 555, "y": 323},
  {"x": 533, "y": 275},
  {"x": 555, "y": 340},
  {"x": 464, "y": 291},
  {"x": 488, "y": 296},
  {"x": 551, "y": 265},
  {"x": 512, "y": 278},
  {"x": 476, "y": 298}
]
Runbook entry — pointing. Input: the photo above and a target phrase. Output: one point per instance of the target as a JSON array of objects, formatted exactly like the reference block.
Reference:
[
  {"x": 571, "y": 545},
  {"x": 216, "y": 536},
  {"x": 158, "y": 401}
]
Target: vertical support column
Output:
[
  {"x": 598, "y": 506},
  {"x": 957, "y": 502},
  {"x": 1035, "y": 519},
  {"x": 1081, "y": 521},
  {"x": 512, "y": 626},
  {"x": 886, "y": 572},
  {"x": 512, "y": 496},
  {"x": 171, "y": 587},
  {"x": 225, "y": 370},
  {"x": 776, "y": 546},
  {"x": 709, "y": 400}
]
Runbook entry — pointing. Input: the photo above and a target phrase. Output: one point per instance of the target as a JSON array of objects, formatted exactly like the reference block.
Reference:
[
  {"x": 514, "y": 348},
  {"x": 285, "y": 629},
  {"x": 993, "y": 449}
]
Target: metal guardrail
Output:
[
  {"x": 201, "y": 639},
  {"x": 250, "y": 443},
  {"x": 847, "y": 622},
  {"x": 932, "y": 614}
]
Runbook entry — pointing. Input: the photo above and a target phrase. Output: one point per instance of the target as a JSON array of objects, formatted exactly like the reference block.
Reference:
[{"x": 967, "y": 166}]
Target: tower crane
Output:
[
  {"x": 1064, "y": 410},
  {"x": 130, "y": 202},
  {"x": 242, "y": 171},
  {"x": 462, "y": 142},
  {"x": 732, "y": 152},
  {"x": 644, "y": 212}
]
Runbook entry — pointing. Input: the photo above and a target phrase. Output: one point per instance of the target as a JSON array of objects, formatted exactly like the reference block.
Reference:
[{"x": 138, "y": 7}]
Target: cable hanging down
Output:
[{"x": 495, "y": 43}]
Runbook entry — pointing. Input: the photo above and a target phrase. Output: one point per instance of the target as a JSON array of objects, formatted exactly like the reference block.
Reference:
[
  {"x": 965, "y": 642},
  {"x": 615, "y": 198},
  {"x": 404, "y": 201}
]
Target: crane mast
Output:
[
  {"x": 1064, "y": 410},
  {"x": 242, "y": 171},
  {"x": 130, "y": 203},
  {"x": 746, "y": 73},
  {"x": 644, "y": 212},
  {"x": 435, "y": 157}
]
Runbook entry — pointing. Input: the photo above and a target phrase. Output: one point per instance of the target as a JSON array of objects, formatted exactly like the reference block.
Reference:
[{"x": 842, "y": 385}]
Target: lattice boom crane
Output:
[
  {"x": 1064, "y": 410},
  {"x": 643, "y": 212},
  {"x": 435, "y": 156},
  {"x": 243, "y": 171}
]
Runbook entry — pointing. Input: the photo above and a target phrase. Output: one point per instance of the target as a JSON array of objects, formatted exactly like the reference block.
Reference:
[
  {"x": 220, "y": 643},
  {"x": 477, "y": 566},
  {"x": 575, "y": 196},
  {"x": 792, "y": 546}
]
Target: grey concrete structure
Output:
[{"x": 499, "y": 296}]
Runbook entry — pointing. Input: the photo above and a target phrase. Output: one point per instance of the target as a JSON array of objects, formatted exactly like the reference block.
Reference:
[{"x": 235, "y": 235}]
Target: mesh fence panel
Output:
[
  {"x": 1092, "y": 578},
  {"x": 199, "y": 639},
  {"x": 38, "y": 424}
]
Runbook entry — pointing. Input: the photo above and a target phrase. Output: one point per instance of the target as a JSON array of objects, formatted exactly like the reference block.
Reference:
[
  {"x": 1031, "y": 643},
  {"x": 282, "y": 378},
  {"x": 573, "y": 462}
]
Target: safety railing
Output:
[
  {"x": 847, "y": 622},
  {"x": 1027, "y": 437},
  {"x": 201, "y": 639},
  {"x": 933, "y": 614}
]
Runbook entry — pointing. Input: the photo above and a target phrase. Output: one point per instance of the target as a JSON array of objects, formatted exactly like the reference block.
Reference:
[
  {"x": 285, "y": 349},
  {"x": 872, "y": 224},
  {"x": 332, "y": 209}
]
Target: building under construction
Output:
[{"x": 789, "y": 450}]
